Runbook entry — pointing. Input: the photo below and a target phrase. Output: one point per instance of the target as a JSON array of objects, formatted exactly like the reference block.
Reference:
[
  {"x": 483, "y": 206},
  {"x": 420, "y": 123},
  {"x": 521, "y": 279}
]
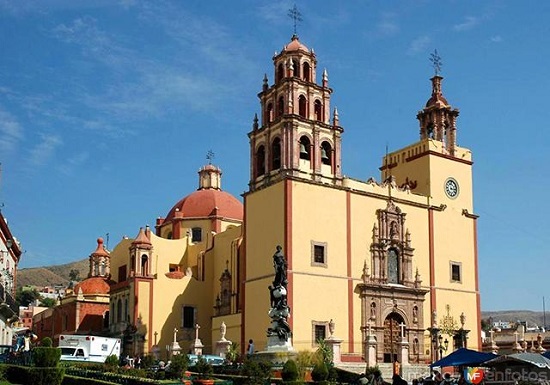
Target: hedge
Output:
[{"x": 35, "y": 376}]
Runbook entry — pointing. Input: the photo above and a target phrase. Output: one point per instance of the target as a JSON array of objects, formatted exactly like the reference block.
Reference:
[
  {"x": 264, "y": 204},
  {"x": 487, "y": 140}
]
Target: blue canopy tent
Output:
[
  {"x": 464, "y": 357},
  {"x": 546, "y": 354}
]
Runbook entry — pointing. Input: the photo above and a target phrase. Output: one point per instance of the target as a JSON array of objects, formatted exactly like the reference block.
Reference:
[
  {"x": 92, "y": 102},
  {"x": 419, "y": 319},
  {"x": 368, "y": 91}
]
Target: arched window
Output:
[
  {"x": 318, "y": 110},
  {"x": 144, "y": 265},
  {"x": 106, "y": 320},
  {"x": 302, "y": 106},
  {"x": 126, "y": 317},
  {"x": 269, "y": 113},
  {"x": 276, "y": 154},
  {"x": 305, "y": 148},
  {"x": 326, "y": 153},
  {"x": 119, "y": 310},
  {"x": 281, "y": 106},
  {"x": 393, "y": 266},
  {"x": 260, "y": 161},
  {"x": 306, "y": 71},
  {"x": 280, "y": 72},
  {"x": 296, "y": 65}
]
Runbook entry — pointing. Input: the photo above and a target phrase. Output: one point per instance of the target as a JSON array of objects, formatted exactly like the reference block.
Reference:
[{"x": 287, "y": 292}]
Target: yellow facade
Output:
[{"x": 370, "y": 256}]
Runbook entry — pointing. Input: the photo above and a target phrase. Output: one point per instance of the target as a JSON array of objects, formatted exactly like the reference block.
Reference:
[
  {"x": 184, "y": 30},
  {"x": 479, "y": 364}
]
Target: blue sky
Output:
[{"x": 108, "y": 108}]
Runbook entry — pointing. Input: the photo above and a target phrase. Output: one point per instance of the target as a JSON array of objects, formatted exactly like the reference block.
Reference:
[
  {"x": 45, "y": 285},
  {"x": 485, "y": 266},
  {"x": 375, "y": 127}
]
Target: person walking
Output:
[{"x": 250, "y": 349}]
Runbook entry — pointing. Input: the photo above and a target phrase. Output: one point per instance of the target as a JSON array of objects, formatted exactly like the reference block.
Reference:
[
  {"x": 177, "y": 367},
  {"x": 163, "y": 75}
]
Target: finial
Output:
[
  {"x": 335, "y": 118},
  {"x": 210, "y": 156},
  {"x": 255, "y": 124},
  {"x": 265, "y": 84},
  {"x": 296, "y": 16},
  {"x": 436, "y": 62},
  {"x": 325, "y": 78}
]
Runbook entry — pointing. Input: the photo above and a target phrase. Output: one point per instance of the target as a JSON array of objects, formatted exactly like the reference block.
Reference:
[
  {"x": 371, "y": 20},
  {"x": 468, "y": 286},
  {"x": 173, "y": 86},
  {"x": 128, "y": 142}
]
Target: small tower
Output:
[
  {"x": 438, "y": 118},
  {"x": 100, "y": 265},
  {"x": 141, "y": 252},
  {"x": 295, "y": 136}
]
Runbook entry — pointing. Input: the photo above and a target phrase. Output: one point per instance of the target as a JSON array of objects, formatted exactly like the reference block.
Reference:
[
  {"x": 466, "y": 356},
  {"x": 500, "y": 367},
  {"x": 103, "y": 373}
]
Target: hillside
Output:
[
  {"x": 51, "y": 275},
  {"x": 532, "y": 317}
]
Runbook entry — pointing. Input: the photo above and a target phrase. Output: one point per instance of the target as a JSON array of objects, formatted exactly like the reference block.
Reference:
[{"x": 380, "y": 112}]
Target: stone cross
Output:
[
  {"x": 369, "y": 329},
  {"x": 197, "y": 327},
  {"x": 402, "y": 326},
  {"x": 156, "y": 334},
  {"x": 175, "y": 334}
]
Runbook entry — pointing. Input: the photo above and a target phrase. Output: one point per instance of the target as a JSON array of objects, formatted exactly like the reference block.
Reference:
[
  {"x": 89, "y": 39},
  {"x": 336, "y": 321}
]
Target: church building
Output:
[{"x": 386, "y": 267}]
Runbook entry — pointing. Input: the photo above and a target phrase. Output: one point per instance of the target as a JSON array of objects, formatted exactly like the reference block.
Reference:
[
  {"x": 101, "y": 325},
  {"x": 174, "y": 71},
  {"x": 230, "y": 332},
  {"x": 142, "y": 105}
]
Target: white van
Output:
[{"x": 88, "y": 348}]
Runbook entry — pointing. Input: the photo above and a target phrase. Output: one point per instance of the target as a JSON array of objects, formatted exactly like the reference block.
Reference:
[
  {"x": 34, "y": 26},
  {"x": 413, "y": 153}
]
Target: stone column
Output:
[
  {"x": 403, "y": 352},
  {"x": 370, "y": 355}
]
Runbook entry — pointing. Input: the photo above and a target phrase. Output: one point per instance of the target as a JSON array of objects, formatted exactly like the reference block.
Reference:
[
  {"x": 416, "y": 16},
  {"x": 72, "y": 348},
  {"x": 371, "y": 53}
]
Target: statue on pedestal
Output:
[{"x": 280, "y": 310}]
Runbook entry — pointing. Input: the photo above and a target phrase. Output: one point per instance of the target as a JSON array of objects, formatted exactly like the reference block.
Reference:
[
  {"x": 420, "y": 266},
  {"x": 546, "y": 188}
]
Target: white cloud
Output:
[
  {"x": 73, "y": 162},
  {"x": 11, "y": 131},
  {"x": 469, "y": 23},
  {"x": 418, "y": 45},
  {"x": 387, "y": 25},
  {"x": 496, "y": 39},
  {"x": 44, "y": 150}
]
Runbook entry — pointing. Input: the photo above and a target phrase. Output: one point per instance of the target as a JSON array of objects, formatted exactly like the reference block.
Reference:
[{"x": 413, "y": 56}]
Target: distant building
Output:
[
  {"x": 10, "y": 254},
  {"x": 26, "y": 314},
  {"x": 86, "y": 309}
]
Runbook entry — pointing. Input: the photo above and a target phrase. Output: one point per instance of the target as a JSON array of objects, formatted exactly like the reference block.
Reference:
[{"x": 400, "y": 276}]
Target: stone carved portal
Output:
[{"x": 390, "y": 295}]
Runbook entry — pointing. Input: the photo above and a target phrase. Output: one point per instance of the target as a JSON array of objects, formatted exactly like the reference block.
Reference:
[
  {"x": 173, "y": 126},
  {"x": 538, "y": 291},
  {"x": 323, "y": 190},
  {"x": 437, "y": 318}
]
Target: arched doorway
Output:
[{"x": 392, "y": 336}]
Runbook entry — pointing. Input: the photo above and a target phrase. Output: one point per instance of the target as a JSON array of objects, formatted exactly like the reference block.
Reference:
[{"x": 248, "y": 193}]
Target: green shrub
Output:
[
  {"x": 46, "y": 342},
  {"x": 203, "y": 368},
  {"x": 304, "y": 360},
  {"x": 256, "y": 372},
  {"x": 111, "y": 362},
  {"x": 319, "y": 372},
  {"x": 34, "y": 375},
  {"x": 147, "y": 361},
  {"x": 46, "y": 357},
  {"x": 290, "y": 371},
  {"x": 178, "y": 365}
]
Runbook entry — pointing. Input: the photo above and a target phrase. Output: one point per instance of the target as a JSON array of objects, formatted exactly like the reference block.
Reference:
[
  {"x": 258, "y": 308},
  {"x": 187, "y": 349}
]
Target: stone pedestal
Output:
[
  {"x": 196, "y": 347},
  {"x": 403, "y": 352},
  {"x": 274, "y": 344},
  {"x": 175, "y": 348},
  {"x": 222, "y": 347},
  {"x": 335, "y": 346}
]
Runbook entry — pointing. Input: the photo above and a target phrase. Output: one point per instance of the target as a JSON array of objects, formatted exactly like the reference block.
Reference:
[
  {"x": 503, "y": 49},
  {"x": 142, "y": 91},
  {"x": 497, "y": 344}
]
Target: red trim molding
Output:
[
  {"x": 433, "y": 303},
  {"x": 478, "y": 297}
]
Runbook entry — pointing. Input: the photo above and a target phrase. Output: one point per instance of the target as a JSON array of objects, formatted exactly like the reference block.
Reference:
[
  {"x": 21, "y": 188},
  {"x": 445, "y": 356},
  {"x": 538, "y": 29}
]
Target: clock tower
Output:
[{"x": 436, "y": 166}]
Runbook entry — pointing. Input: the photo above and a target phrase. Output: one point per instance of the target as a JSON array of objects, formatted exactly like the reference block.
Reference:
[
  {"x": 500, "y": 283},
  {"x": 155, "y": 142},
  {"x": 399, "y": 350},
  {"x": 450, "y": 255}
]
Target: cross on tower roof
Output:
[
  {"x": 210, "y": 156},
  {"x": 295, "y": 15},
  {"x": 436, "y": 62}
]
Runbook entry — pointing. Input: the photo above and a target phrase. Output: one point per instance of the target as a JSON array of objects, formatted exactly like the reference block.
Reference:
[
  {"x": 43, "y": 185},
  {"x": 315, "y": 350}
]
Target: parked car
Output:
[{"x": 6, "y": 352}]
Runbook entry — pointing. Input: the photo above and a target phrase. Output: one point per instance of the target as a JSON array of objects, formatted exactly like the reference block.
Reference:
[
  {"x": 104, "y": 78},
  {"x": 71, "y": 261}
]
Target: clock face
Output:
[{"x": 451, "y": 188}]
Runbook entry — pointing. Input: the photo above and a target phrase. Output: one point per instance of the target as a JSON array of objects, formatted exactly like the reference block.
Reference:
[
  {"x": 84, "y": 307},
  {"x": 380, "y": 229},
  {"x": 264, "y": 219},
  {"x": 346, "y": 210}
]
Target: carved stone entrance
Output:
[{"x": 391, "y": 296}]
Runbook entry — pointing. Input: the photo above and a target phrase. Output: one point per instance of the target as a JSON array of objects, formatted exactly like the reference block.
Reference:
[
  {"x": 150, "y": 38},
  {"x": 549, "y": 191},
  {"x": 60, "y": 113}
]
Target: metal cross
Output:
[
  {"x": 210, "y": 156},
  {"x": 436, "y": 62},
  {"x": 295, "y": 15}
]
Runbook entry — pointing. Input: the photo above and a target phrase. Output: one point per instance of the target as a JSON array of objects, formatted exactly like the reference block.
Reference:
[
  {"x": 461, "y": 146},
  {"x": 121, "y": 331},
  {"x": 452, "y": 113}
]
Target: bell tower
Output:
[{"x": 295, "y": 135}]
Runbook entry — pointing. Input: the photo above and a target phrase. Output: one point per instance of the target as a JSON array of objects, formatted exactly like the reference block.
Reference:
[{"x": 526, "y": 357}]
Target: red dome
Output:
[
  {"x": 295, "y": 45},
  {"x": 93, "y": 285},
  {"x": 203, "y": 203}
]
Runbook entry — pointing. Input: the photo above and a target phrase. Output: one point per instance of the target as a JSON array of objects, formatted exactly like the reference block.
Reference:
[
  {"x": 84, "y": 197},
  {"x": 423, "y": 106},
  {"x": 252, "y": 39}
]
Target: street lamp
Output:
[{"x": 443, "y": 345}]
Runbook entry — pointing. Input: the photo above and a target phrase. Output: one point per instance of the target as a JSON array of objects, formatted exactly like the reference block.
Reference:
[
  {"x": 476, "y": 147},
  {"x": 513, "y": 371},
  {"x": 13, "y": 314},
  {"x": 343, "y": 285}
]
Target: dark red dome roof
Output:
[
  {"x": 93, "y": 285},
  {"x": 203, "y": 203}
]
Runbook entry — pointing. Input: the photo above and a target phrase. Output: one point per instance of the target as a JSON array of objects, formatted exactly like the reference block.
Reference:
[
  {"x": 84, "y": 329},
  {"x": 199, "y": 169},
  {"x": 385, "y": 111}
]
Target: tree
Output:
[
  {"x": 26, "y": 296},
  {"x": 47, "y": 302},
  {"x": 74, "y": 275}
]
